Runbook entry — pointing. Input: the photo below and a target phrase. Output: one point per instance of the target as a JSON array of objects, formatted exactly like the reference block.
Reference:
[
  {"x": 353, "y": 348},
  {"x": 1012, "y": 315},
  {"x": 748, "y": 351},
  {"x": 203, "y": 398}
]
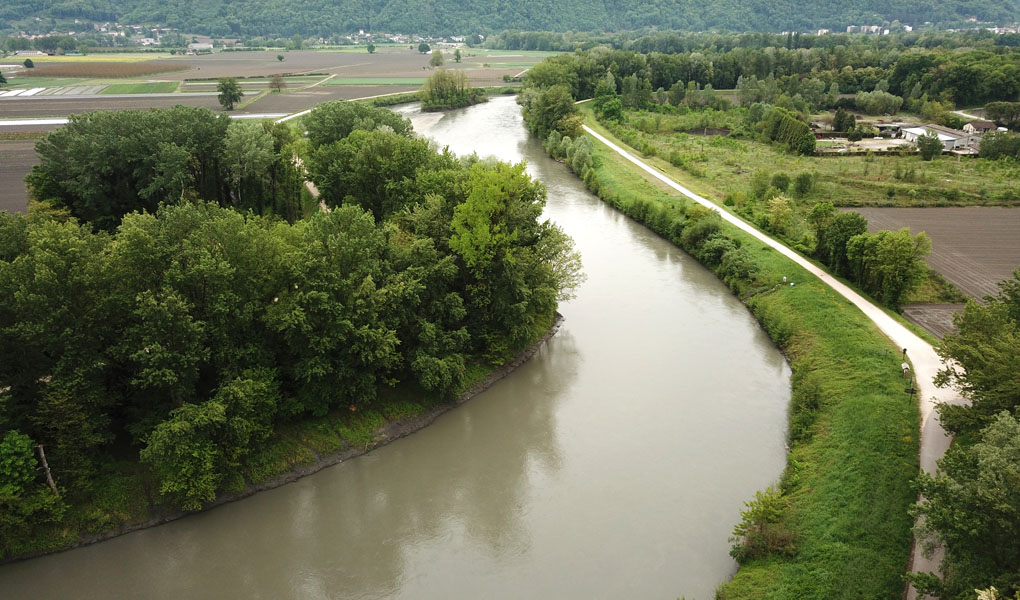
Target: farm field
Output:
[
  {"x": 418, "y": 81},
  {"x": 393, "y": 66},
  {"x": 352, "y": 73},
  {"x": 935, "y": 318},
  {"x": 17, "y": 157},
  {"x": 152, "y": 87},
  {"x": 68, "y": 105},
  {"x": 973, "y": 247},
  {"x": 295, "y": 101}
]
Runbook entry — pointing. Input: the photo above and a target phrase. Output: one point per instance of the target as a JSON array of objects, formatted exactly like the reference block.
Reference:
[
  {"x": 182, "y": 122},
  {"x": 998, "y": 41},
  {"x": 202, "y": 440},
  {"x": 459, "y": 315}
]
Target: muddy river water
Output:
[{"x": 614, "y": 464}]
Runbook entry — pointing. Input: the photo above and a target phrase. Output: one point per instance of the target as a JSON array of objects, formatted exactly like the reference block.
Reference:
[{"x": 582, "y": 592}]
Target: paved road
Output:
[{"x": 926, "y": 363}]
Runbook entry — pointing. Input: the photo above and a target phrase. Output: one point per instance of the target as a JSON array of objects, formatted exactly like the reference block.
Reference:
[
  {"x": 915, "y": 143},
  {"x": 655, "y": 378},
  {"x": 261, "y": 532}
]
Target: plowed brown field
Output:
[
  {"x": 17, "y": 157},
  {"x": 60, "y": 106},
  {"x": 973, "y": 247}
]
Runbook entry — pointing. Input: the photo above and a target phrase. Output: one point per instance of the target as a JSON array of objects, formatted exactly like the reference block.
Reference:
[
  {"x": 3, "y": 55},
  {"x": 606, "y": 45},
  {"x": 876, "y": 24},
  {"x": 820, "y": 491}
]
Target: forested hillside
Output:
[{"x": 325, "y": 17}]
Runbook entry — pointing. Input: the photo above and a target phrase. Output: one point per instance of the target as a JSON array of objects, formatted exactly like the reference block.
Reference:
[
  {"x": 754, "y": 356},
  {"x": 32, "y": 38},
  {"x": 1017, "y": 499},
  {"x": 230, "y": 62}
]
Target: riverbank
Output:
[
  {"x": 306, "y": 448},
  {"x": 853, "y": 428}
]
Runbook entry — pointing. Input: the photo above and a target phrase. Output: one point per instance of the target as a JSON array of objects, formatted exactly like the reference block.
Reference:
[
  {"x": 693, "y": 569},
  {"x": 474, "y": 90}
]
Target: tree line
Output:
[
  {"x": 186, "y": 335},
  {"x": 103, "y": 165},
  {"x": 804, "y": 78},
  {"x": 972, "y": 505}
]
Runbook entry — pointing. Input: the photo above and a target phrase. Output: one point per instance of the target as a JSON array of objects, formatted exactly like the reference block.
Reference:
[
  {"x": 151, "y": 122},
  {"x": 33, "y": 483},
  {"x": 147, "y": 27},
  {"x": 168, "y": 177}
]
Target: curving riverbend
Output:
[{"x": 613, "y": 464}]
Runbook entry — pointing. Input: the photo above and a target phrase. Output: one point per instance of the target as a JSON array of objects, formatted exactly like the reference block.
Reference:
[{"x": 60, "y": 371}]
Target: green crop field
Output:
[{"x": 155, "y": 87}]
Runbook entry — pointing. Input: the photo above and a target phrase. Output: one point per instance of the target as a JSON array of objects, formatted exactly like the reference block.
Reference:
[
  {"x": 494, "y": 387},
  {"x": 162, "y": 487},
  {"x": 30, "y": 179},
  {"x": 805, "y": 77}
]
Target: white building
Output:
[{"x": 952, "y": 139}]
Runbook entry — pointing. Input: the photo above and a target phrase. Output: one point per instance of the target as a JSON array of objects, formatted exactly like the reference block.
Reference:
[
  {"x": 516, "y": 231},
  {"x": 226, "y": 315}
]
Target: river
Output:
[{"x": 614, "y": 464}]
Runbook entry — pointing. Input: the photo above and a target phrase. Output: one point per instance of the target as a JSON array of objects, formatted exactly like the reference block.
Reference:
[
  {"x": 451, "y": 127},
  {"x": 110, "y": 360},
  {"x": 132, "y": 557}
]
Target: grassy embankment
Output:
[
  {"x": 125, "y": 495},
  {"x": 853, "y": 429}
]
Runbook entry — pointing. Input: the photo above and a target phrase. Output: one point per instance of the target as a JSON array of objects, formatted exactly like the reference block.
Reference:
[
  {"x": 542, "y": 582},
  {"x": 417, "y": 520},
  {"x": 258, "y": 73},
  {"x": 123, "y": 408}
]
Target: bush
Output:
[
  {"x": 802, "y": 184},
  {"x": 738, "y": 265},
  {"x": 781, "y": 181},
  {"x": 999, "y": 144},
  {"x": 698, "y": 232},
  {"x": 929, "y": 146},
  {"x": 762, "y": 530},
  {"x": 714, "y": 248},
  {"x": 760, "y": 184}
]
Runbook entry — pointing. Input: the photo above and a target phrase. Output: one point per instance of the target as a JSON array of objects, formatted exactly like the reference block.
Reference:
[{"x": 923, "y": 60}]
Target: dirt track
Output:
[{"x": 973, "y": 247}]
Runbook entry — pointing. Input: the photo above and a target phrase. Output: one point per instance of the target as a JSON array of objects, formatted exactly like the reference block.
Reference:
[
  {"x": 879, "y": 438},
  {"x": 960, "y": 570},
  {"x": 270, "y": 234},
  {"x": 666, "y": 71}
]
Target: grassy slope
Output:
[{"x": 853, "y": 429}]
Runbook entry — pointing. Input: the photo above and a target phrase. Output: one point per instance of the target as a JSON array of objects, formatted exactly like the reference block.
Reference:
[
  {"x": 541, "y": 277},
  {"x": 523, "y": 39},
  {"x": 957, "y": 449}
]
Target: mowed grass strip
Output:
[
  {"x": 154, "y": 87},
  {"x": 96, "y": 69},
  {"x": 853, "y": 428}
]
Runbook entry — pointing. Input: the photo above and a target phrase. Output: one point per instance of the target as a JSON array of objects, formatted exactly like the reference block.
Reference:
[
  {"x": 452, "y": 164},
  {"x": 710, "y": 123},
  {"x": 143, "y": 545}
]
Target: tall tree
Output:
[
  {"x": 929, "y": 145},
  {"x": 333, "y": 121},
  {"x": 229, "y": 92},
  {"x": 983, "y": 359},
  {"x": 972, "y": 508},
  {"x": 247, "y": 156}
]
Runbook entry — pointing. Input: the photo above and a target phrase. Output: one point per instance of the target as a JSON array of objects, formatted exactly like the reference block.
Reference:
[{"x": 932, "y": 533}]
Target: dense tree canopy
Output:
[
  {"x": 103, "y": 165},
  {"x": 887, "y": 75},
  {"x": 984, "y": 359},
  {"x": 188, "y": 332},
  {"x": 972, "y": 507},
  {"x": 322, "y": 18}
]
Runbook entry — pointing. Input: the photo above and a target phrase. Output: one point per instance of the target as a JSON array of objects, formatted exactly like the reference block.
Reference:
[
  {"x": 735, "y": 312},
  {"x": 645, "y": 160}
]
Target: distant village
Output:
[{"x": 117, "y": 35}]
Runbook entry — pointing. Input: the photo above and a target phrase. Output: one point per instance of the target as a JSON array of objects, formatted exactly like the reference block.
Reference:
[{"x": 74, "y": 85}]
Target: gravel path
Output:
[{"x": 926, "y": 363}]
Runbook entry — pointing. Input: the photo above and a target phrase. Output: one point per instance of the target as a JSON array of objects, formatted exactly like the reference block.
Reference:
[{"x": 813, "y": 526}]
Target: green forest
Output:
[
  {"x": 168, "y": 310},
  {"x": 314, "y": 18}
]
